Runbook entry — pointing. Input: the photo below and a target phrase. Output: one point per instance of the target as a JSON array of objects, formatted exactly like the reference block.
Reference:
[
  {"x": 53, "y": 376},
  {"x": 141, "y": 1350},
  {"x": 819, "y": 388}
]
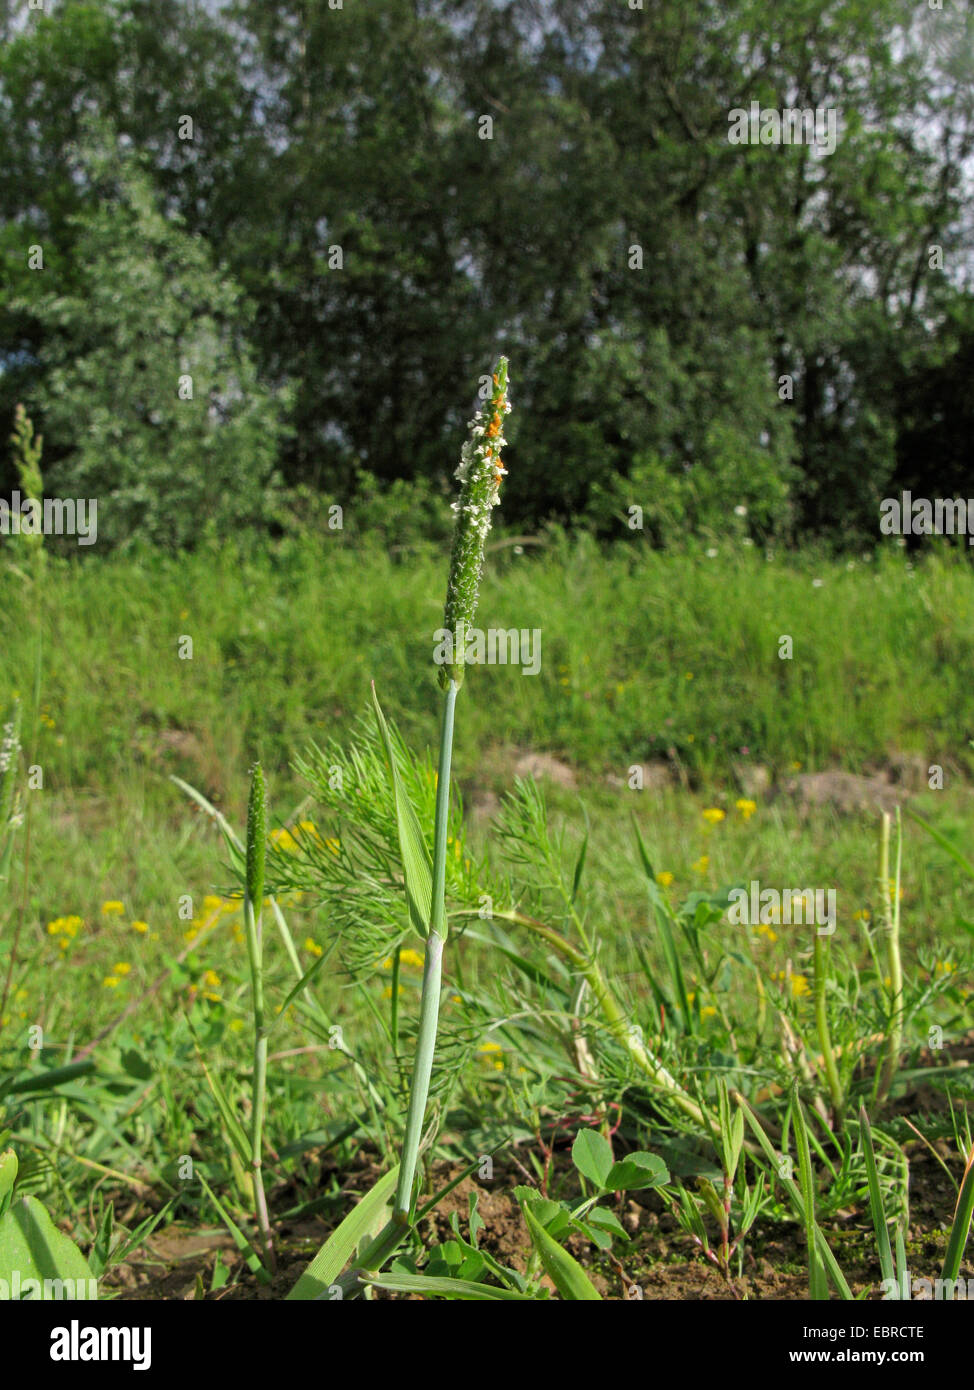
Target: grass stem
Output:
[
  {"x": 822, "y": 961},
  {"x": 253, "y": 930},
  {"x": 429, "y": 1011},
  {"x": 889, "y": 919},
  {"x": 253, "y": 901}
]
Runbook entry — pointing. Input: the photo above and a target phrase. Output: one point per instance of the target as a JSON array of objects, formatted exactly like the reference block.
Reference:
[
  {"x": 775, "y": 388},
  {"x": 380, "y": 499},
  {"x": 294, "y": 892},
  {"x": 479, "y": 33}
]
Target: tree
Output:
[{"x": 147, "y": 388}]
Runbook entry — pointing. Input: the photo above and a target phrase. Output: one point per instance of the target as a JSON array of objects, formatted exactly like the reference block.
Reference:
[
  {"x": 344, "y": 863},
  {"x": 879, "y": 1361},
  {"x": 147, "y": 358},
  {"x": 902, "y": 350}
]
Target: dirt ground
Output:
[{"x": 661, "y": 1261}]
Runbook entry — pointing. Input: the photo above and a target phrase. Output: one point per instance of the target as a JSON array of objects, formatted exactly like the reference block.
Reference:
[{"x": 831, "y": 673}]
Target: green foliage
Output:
[
  {"x": 352, "y": 864},
  {"x": 365, "y": 1219},
  {"x": 149, "y": 392},
  {"x": 789, "y": 336},
  {"x": 567, "y": 1275},
  {"x": 36, "y": 1259}
]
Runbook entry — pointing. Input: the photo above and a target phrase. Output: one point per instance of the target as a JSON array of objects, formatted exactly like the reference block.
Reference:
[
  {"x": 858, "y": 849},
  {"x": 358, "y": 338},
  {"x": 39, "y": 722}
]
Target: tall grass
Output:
[{"x": 642, "y": 653}]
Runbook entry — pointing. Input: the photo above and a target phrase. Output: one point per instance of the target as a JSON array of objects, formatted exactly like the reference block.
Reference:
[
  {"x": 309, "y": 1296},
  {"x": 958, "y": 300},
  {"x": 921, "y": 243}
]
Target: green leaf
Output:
[
  {"x": 302, "y": 984},
  {"x": 555, "y": 1217},
  {"x": 234, "y": 844},
  {"x": 736, "y": 1142},
  {"x": 661, "y": 912},
  {"x": 605, "y": 1220},
  {"x": 8, "y": 1174},
  {"x": 251, "y": 1258},
  {"x": 417, "y": 866},
  {"x": 592, "y": 1156},
  {"x": 47, "y": 1080},
  {"x": 818, "y": 1288},
  {"x": 943, "y": 842},
  {"x": 234, "y": 1128},
  {"x": 591, "y": 1232},
  {"x": 712, "y": 1199},
  {"x": 961, "y": 1224},
  {"x": 33, "y": 1247},
  {"x": 144, "y": 1229},
  {"x": 579, "y": 868},
  {"x": 341, "y": 1245},
  {"x": 564, "y": 1271},
  {"x": 102, "y": 1245},
  {"x": 791, "y": 1187},
  {"x": 445, "y": 1288},
  {"x": 635, "y": 1171},
  {"x": 876, "y": 1199}
]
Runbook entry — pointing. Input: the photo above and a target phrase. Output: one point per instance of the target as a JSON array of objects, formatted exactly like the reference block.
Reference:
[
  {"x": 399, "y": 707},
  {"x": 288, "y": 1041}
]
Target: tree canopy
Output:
[{"x": 339, "y": 212}]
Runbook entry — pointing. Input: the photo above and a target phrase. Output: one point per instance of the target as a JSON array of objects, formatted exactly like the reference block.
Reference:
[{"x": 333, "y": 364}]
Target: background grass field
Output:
[
  {"x": 667, "y": 662},
  {"x": 645, "y": 659}
]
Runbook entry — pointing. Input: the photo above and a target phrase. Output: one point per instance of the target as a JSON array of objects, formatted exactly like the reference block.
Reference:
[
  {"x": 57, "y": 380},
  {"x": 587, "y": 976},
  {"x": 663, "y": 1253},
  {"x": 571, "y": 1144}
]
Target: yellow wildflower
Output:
[
  {"x": 664, "y": 878},
  {"x": 141, "y": 927},
  {"x": 284, "y": 840},
  {"x": 702, "y": 864},
  {"x": 746, "y": 807},
  {"x": 65, "y": 926},
  {"x": 407, "y": 957},
  {"x": 311, "y": 945},
  {"x": 713, "y": 815},
  {"x": 113, "y": 908}
]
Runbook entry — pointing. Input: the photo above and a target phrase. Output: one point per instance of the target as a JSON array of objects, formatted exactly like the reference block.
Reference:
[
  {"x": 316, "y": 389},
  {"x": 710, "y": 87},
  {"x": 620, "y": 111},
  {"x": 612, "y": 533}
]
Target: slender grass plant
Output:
[{"x": 480, "y": 473}]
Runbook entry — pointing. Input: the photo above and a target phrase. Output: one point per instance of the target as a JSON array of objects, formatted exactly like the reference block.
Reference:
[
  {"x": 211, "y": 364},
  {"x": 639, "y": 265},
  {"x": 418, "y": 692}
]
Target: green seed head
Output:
[
  {"x": 479, "y": 474},
  {"x": 256, "y": 839}
]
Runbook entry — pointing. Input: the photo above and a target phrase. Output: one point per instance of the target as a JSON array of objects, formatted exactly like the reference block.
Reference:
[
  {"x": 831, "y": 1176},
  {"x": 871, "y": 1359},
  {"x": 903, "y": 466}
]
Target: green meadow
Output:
[{"x": 124, "y": 936}]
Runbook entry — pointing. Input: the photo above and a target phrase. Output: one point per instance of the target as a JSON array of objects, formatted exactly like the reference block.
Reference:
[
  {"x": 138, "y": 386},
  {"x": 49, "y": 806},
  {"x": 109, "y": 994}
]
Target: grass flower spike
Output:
[{"x": 479, "y": 474}]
